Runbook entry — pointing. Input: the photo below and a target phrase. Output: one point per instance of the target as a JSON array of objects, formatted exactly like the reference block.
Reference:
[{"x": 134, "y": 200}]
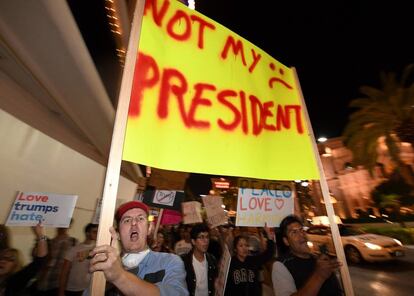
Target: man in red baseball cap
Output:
[{"x": 139, "y": 269}]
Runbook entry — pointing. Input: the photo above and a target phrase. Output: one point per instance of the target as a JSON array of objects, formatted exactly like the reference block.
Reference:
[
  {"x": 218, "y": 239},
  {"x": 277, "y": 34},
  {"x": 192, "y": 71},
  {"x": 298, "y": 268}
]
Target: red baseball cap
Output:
[{"x": 130, "y": 205}]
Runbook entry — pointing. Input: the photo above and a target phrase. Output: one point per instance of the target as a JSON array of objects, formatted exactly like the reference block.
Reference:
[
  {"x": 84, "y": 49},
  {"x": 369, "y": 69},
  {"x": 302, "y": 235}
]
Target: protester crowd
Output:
[{"x": 171, "y": 260}]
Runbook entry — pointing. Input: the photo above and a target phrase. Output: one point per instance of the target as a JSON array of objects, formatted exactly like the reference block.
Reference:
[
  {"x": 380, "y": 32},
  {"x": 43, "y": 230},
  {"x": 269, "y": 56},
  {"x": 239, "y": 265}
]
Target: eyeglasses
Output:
[
  {"x": 203, "y": 236},
  {"x": 129, "y": 220}
]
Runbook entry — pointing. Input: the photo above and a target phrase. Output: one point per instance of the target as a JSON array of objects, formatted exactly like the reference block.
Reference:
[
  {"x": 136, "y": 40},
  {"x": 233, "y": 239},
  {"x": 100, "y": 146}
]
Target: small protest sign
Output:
[
  {"x": 261, "y": 202},
  {"x": 54, "y": 210},
  {"x": 215, "y": 213},
  {"x": 168, "y": 217},
  {"x": 171, "y": 217},
  {"x": 191, "y": 212},
  {"x": 163, "y": 199}
]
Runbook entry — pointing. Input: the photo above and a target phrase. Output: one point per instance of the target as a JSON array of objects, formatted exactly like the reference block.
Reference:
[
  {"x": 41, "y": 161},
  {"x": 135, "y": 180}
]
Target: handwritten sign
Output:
[
  {"x": 54, "y": 210},
  {"x": 164, "y": 197},
  {"x": 215, "y": 213},
  {"x": 208, "y": 92},
  {"x": 223, "y": 268},
  {"x": 191, "y": 212},
  {"x": 263, "y": 202}
]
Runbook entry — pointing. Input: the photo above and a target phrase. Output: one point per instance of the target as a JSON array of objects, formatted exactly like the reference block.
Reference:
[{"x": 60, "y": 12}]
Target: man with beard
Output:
[{"x": 139, "y": 271}]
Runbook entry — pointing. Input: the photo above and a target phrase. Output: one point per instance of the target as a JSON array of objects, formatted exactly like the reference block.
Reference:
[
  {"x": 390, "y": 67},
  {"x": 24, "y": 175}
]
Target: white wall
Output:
[{"x": 32, "y": 161}]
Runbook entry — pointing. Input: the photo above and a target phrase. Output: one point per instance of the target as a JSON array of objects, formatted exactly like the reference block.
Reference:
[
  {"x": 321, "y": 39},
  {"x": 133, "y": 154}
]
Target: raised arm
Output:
[
  {"x": 41, "y": 247},
  {"x": 268, "y": 237}
]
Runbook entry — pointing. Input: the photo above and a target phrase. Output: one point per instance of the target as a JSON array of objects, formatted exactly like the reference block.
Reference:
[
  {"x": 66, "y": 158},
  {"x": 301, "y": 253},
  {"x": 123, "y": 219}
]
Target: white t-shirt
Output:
[
  {"x": 200, "y": 269},
  {"x": 282, "y": 279},
  {"x": 79, "y": 276}
]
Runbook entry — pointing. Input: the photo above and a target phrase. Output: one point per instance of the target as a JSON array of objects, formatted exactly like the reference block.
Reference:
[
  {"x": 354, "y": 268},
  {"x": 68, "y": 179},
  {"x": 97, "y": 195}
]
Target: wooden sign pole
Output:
[
  {"x": 115, "y": 154},
  {"x": 346, "y": 279},
  {"x": 158, "y": 223}
]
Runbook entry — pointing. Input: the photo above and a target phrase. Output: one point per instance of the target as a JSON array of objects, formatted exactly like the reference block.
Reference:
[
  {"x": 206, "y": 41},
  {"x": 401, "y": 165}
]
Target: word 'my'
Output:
[{"x": 182, "y": 25}]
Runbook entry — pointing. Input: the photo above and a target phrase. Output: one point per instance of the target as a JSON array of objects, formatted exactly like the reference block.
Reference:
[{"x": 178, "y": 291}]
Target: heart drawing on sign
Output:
[{"x": 279, "y": 203}]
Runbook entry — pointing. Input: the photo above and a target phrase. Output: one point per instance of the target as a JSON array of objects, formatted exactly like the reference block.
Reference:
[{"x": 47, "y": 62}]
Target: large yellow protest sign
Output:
[{"x": 206, "y": 100}]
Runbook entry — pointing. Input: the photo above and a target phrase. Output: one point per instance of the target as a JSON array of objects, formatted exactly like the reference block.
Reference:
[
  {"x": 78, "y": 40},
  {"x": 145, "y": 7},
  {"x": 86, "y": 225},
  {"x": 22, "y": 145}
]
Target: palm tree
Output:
[
  {"x": 392, "y": 194},
  {"x": 387, "y": 114}
]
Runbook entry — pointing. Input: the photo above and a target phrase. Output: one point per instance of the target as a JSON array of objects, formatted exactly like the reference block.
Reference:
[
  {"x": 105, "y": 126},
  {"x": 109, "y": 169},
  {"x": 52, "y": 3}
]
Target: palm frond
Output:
[
  {"x": 362, "y": 102},
  {"x": 408, "y": 70},
  {"x": 380, "y": 113},
  {"x": 372, "y": 92},
  {"x": 393, "y": 149}
]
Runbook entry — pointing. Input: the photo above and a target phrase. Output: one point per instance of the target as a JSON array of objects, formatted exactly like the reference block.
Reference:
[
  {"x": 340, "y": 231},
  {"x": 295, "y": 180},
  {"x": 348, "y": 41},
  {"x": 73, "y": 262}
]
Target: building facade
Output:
[{"x": 351, "y": 187}]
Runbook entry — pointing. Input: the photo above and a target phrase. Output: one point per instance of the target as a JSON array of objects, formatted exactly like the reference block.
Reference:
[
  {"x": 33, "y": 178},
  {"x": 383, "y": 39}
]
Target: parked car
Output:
[{"x": 357, "y": 244}]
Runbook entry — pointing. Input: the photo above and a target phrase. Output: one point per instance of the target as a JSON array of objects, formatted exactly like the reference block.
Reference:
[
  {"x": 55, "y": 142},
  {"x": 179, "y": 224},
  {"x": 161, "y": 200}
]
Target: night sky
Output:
[{"x": 335, "y": 46}]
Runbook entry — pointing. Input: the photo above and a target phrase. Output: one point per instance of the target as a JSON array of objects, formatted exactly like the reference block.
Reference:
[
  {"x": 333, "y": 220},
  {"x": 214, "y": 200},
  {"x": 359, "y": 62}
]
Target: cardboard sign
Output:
[
  {"x": 264, "y": 202},
  {"x": 223, "y": 268},
  {"x": 54, "y": 210},
  {"x": 191, "y": 212},
  {"x": 215, "y": 213}
]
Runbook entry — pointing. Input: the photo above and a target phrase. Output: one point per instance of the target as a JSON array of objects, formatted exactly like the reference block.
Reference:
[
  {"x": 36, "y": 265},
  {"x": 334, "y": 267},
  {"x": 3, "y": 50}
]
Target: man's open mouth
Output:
[{"x": 134, "y": 236}]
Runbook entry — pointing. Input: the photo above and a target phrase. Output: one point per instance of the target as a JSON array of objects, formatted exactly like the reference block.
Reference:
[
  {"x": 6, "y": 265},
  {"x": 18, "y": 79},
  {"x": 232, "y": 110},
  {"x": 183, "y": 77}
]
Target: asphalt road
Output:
[{"x": 395, "y": 278}]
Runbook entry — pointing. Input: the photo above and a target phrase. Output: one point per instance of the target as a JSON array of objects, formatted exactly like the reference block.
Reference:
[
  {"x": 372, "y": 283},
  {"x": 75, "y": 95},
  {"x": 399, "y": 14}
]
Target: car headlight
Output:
[
  {"x": 373, "y": 246},
  {"x": 397, "y": 241}
]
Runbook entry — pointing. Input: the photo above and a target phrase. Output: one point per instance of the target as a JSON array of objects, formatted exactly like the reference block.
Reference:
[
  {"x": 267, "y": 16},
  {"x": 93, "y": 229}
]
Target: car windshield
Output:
[{"x": 347, "y": 231}]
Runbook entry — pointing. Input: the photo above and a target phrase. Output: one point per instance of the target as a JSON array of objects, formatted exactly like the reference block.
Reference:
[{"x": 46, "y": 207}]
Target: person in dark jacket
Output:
[
  {"x": 13, "y": 280},
  {"x": 297, "y": 271},
  {"x": 243, "y": 276},
  {"x": 201, "y": 266}
]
